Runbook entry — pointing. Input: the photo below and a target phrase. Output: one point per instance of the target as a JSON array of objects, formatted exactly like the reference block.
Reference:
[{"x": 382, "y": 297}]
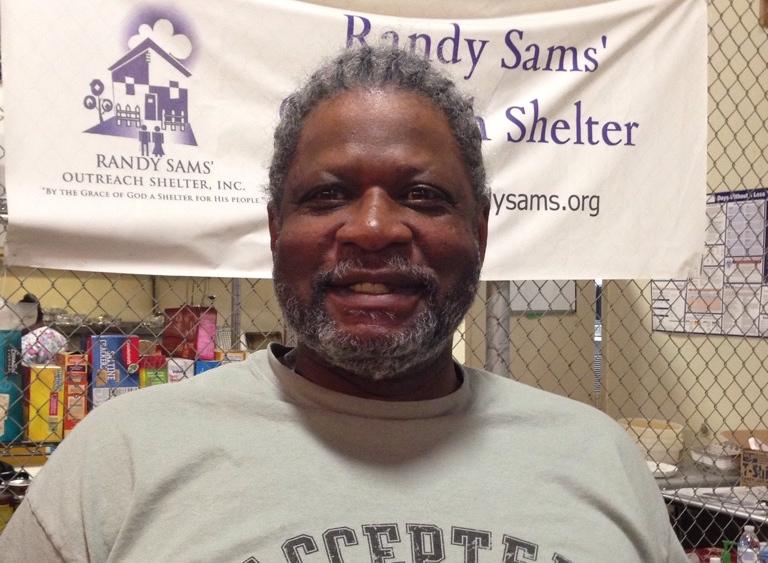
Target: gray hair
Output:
[{"x": 376, "y": 67}]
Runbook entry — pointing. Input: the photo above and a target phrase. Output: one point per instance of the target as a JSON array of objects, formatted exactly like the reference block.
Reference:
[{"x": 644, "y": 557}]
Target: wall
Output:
[
  {"x": 693, "y": 379},
  {"x": 554, "y": 352},
  {"x": 88, "y": 293}
]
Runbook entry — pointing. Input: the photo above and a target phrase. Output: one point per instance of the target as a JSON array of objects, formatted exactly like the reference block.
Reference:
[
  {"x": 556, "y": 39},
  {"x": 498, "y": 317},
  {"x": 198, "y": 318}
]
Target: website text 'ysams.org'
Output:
[{"x": 577, "y": 203}]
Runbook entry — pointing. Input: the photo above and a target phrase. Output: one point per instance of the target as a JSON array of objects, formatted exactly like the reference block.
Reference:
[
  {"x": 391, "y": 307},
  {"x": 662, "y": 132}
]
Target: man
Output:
[
  {"x": 365, "y": 442},
  {"x": 144, "y": 136}
]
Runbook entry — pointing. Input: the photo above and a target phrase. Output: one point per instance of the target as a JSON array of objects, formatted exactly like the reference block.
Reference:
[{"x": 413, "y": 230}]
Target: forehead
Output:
[
  {"x": 353, "y": 109},
  {"x": 405, "y": 128}
]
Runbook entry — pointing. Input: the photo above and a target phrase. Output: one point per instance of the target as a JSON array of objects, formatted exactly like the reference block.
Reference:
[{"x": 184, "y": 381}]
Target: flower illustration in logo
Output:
[{"x": 95, "y": 101}]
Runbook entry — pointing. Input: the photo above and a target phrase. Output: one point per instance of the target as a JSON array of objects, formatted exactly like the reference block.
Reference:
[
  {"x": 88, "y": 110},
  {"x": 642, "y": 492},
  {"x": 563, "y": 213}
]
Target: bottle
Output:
[
  {"x": 747, "y": 546},
  {"x": 762, "y": 555}
]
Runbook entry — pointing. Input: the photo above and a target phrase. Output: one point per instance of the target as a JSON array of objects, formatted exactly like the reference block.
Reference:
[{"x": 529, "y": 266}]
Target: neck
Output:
[{"x": 437, "y": 378}]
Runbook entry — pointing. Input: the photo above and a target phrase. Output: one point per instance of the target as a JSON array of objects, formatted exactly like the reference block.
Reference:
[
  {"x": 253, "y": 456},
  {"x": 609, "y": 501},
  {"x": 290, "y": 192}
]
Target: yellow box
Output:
[
  {"x": 226, "y": 356},
  {"x": 45, "y": 403}
]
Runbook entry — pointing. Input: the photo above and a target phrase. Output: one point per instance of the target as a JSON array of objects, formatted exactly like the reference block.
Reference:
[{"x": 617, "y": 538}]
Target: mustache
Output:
[{"x": 419, "y": 275}]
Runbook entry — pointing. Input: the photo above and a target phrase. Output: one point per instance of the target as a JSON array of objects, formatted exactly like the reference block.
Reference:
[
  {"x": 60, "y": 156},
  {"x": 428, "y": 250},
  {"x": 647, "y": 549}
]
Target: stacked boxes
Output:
[
  {"x": 75, "y": 368},
  {"x": 114, "y": 366},
  {"x": 11, "y": 408},
  {"x": 45, "y": 403}
]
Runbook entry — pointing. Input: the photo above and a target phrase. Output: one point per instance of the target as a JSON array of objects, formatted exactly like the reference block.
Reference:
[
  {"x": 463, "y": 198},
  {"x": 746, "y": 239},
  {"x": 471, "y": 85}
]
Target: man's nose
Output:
[{"x": 375, "y": 222}]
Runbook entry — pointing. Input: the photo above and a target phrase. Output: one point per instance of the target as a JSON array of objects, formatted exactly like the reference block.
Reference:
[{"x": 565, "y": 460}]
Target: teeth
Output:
[{"x": 367, "y": 287}]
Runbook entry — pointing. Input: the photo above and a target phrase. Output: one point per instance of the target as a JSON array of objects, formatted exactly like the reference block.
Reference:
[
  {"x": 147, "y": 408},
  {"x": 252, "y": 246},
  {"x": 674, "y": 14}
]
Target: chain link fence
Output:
[{"x": 683, "y": 365}]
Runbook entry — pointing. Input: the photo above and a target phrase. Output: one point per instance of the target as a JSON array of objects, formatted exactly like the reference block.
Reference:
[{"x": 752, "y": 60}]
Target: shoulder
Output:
[
  {"x": 495, "y": 390},
  {"x": 563, "y": 430},
  {"x": 507, "y": 399},
  {"x": 163, "y": 418},
  {"x": 228, "y": 384}
]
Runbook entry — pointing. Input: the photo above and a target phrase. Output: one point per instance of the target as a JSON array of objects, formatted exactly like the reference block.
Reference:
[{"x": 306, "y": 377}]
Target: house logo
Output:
[{"x": 146, "y": 97}]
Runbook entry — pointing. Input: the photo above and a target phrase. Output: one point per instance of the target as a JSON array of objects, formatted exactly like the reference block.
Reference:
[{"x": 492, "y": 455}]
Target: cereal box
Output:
[
  {"x": 11, "y": 409},
  {"x": 114, "y": 369},
  {"x": 45, "y": 403},
  {"x": 75, "y": 367}
]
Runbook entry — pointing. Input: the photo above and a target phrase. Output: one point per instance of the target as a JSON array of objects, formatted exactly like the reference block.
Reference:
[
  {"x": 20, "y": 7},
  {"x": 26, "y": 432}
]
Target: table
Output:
[
  {"x": 691, "y": 475},
  {"x": 703, "y": 508}
]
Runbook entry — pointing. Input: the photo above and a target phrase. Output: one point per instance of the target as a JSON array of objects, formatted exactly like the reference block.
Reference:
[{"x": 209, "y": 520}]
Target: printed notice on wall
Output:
[{"x": 730, "y": 295}]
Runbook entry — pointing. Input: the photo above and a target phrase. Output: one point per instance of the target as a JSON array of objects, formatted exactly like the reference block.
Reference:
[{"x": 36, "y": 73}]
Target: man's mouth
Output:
[
  {"x": 373, "y": 301},
  {"x": 378, "y": 284},
  {"x": 396, "y": 288},
  {"x": 370, "y": 288}
]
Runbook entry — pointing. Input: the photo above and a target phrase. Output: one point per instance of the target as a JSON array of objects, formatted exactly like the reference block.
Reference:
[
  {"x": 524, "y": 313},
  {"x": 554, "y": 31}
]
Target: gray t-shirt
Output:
[{"x": 251, "y": 462}]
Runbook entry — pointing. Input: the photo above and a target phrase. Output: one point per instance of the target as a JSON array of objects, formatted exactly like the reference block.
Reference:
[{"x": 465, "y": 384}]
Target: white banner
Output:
[{"x": 138, "y": 134}]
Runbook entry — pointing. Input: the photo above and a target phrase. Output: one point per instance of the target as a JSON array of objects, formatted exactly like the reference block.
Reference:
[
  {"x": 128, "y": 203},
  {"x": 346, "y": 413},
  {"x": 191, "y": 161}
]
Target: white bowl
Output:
[
  {"x": 717, "y": 456},
  {"x": 659, "y": 440},
  {"x": 661, "y": 469}
]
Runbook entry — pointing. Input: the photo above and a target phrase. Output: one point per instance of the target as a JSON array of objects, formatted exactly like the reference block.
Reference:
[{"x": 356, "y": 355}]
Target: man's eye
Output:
[
  {"x": 326, "y": 194},
  {"x": 423, "y": 193}
]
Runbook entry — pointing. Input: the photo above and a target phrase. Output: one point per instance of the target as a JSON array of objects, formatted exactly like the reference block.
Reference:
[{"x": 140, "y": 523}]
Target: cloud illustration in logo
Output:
[{"x": 161, "y": 33}]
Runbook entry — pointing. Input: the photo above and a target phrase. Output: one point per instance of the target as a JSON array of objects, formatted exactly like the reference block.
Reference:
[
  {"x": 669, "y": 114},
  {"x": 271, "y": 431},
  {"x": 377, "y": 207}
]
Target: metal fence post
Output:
[{"x": 497, "y": 327}]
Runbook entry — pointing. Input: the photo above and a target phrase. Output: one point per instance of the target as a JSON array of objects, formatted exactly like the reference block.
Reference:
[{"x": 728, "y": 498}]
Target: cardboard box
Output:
[
  {"x": 180, "y": 369},
  {"x": 226, "y": 356},
  {"x": 111, "y": 375},
  {"x": 204, "y": 365},
  {"x": 11, "y": 385},
  {"x": 45, "y": 403},
  {"x": 75, "y": 368},
  {"x": 153, "y": 371},
  {"x": 753, "y": 463}
]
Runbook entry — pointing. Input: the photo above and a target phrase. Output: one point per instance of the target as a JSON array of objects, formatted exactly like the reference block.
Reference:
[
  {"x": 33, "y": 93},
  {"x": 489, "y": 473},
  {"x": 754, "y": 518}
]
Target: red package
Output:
[
  {"x": 154, "y": 362},
  {"x": 130, "y": 351},
  {"x": 706, "y": 553},
  {"x": 190, "y": 332}
]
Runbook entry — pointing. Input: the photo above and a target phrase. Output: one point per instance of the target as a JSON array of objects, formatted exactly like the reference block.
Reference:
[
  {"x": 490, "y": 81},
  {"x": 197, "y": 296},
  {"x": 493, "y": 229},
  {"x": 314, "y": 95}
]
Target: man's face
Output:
[{"x": 378, "y": 239}]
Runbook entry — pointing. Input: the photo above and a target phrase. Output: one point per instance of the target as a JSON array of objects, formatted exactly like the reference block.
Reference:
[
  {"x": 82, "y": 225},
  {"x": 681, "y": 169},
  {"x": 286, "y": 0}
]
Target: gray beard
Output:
[{"x": 389, "y": 356}]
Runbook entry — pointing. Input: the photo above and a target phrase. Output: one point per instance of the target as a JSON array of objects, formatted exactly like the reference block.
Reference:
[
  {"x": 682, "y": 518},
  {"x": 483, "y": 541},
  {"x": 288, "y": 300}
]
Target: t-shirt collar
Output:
[{"x": 301, "y": 391}]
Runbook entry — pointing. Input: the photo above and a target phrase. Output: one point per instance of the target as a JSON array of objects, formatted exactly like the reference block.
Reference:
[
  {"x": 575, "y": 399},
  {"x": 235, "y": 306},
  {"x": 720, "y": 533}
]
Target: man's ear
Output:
[
  {"x": 274, "y": 225},
  {"x": 483, "y": 211}
]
